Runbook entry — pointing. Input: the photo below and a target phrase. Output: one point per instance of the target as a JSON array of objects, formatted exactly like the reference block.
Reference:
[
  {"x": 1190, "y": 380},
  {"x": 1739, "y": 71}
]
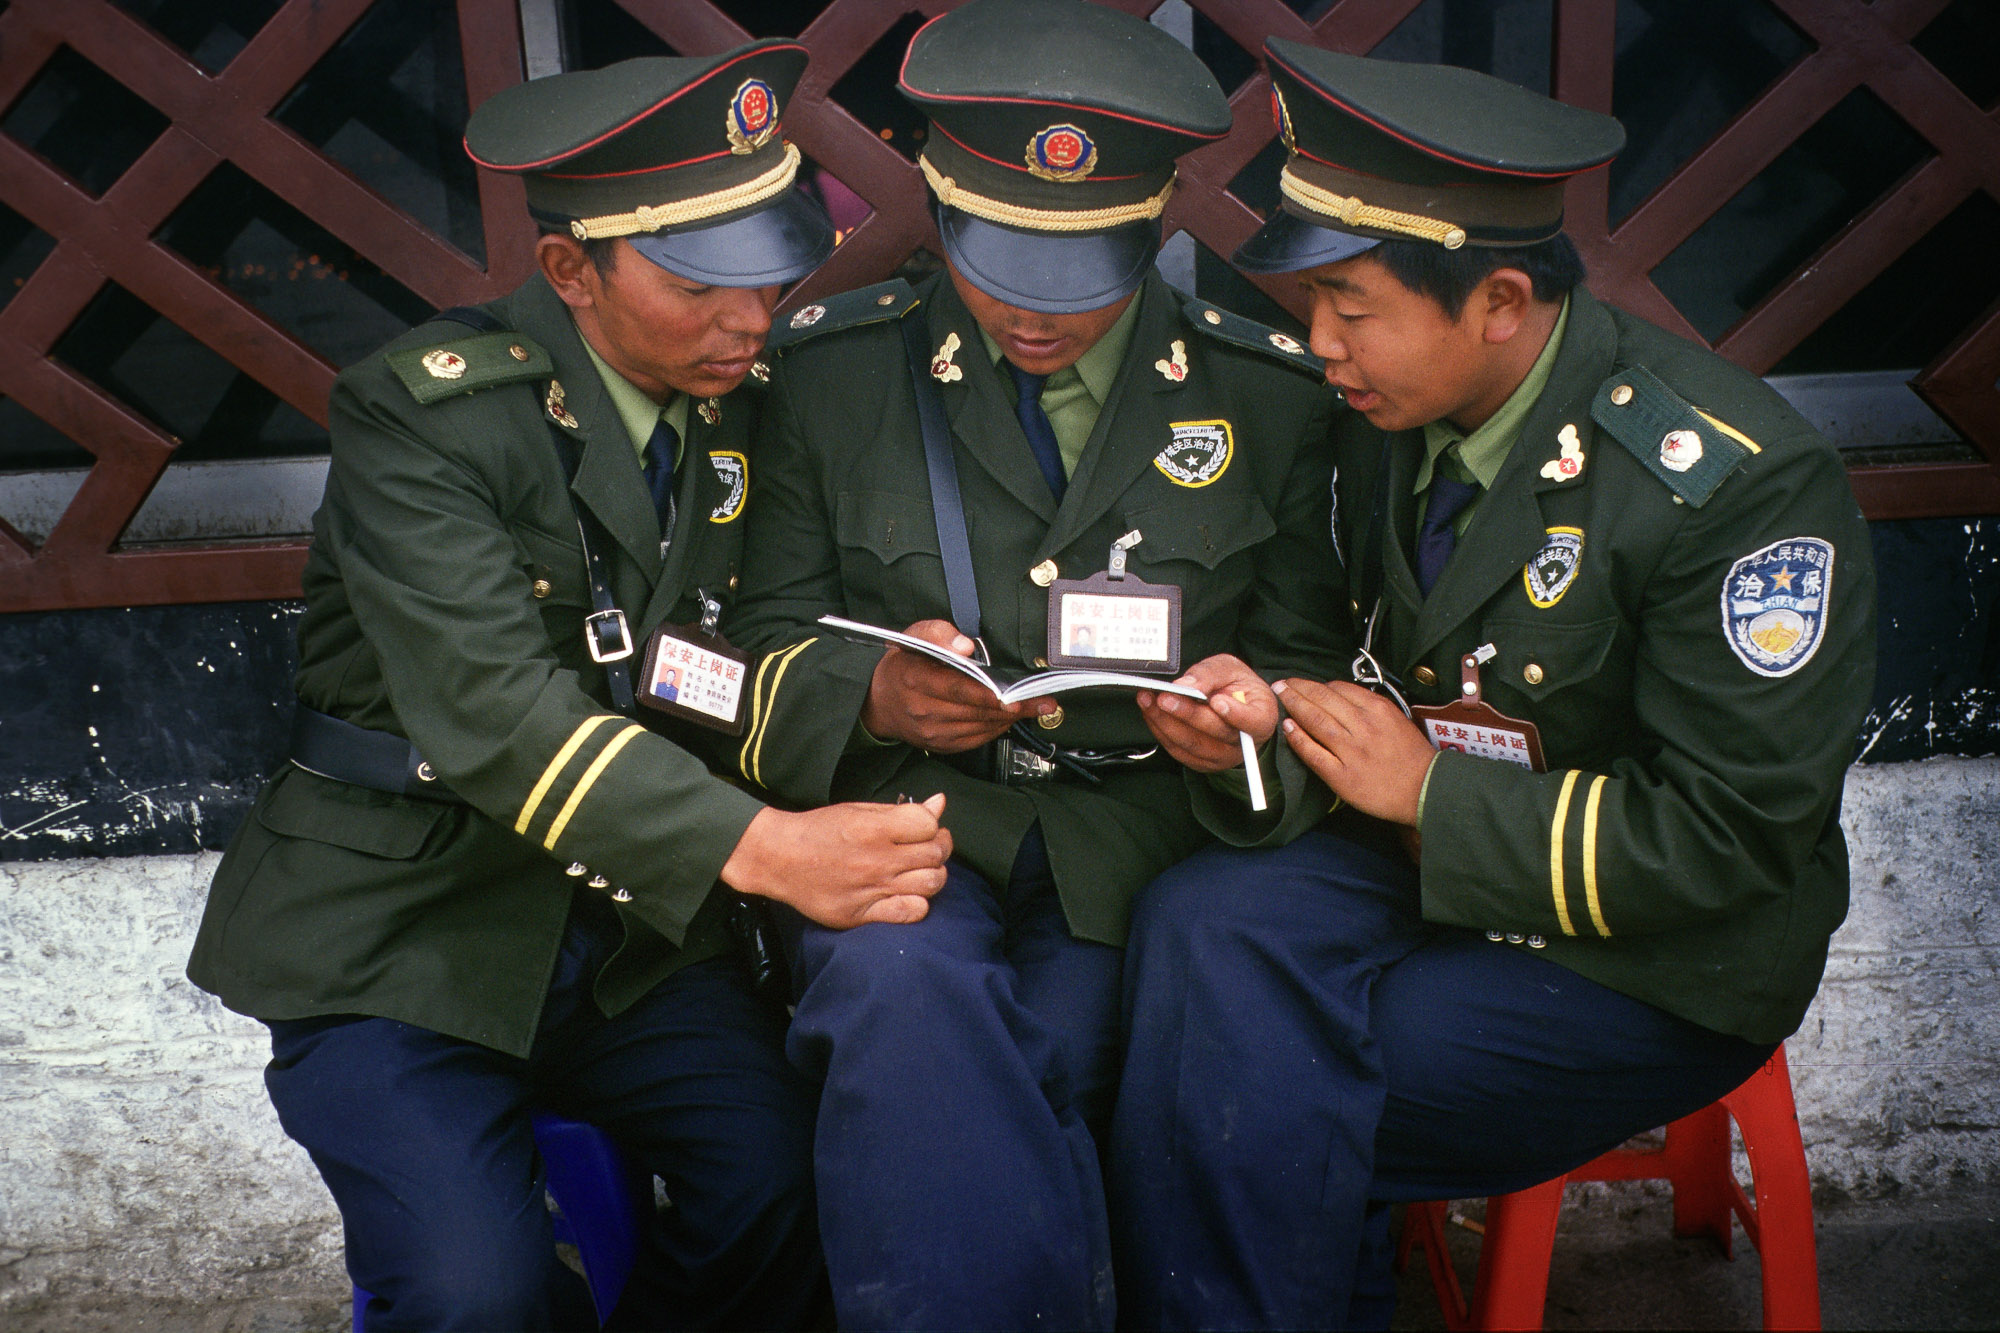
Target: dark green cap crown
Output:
[
  {"x": 689, "y": 140},
  {"x": 1385, "y": 149},
  {"x": 1057, "y": 106}
]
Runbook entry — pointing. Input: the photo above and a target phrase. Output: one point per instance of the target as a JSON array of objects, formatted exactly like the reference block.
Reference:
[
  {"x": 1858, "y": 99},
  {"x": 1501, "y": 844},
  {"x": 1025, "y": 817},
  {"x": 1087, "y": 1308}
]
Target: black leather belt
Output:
[
  {"x": 323, "y": 744},
  {"x": 1020, "y": 759}
]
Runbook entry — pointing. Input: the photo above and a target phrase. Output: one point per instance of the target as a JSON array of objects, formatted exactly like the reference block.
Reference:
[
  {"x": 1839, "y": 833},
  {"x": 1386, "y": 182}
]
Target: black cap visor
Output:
[
  {"x": 1052, "y": 273},
  {"x": 1288, "y": 243},
  {"x": 779, "y": 243}
]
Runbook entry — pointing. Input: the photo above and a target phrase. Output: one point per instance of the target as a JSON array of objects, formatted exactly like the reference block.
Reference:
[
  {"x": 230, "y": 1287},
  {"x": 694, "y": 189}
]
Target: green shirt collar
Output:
[
  {"x": 1483, "y": 451},
  {"x": 1098, "y": 367},
  {"x": 638, "y": 412}
]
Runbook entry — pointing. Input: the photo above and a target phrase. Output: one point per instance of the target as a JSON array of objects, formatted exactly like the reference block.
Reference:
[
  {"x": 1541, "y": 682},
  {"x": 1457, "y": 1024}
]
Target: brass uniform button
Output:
[
  {"x": 1050, "y": 721},
  {"x": 518, "y": 352},
  {"x": 733, "y": 581},
  {"x": 425, "y": 773},
  {"x": 1425, "y": 676},
  {"x": 543, "y": 588},
  {"x": 1041, "y": 663},
  {"x": 1353, "y": 607},
  {"x": 886, "y": 298},
  {"x": 1621, "y": 395},
  {"x": 1044, "y": 574},
  {"x": 1211, "y": 316},
  {"x": 1532, "y": 673}
]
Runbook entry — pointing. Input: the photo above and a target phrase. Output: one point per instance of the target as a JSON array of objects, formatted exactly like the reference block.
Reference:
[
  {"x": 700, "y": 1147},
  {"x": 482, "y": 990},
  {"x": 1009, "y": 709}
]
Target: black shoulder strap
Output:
[
  {"x": 954, "y": 547},
  {"x": 606, "y": 633}
]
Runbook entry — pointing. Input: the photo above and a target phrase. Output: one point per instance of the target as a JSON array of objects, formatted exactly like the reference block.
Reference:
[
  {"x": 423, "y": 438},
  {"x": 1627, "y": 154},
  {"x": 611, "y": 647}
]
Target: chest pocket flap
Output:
[
  {"x": 886, "y": 523},
  {"x": 340, "y": 814},
  {"x": 1207, "y": 533},
  {"x": 555, "y": 562},
  {"x": 1536, "y": 658}
]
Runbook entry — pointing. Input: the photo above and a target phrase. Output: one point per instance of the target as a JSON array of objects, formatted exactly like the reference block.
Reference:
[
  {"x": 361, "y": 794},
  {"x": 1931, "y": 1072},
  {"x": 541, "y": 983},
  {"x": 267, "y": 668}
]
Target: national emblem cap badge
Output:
[
  {"x": 1774, "y": 604},
  {"x": 1200, "y": 452},
  {"x": 753, "y": 116},
  {"x": 1548, "y": 575},
  {"x": 1061, "y": 153},
  {"x": 444, "y": 364},
  {"x": 1283, "y": 115}
]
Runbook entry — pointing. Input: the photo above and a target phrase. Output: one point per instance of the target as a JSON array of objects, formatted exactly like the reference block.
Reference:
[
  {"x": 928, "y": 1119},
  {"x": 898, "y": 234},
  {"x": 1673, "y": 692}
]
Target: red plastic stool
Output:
[
  {"x": 1513, "y": 1277},
  {"x": 601, "y": 1206}
]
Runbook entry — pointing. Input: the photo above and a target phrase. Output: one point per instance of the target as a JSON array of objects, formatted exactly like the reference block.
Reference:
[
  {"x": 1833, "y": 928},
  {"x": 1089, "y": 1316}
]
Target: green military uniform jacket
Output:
[
  {"x": 843, "y": 524},
  {"x": 1684, "y": 846},
  {"x": 445, "y": 596}
]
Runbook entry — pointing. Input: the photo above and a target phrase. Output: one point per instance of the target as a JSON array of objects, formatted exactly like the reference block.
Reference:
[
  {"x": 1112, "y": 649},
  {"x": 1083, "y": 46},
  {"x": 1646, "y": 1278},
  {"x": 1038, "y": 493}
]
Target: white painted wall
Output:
[{"x": 139, "y": 1155}]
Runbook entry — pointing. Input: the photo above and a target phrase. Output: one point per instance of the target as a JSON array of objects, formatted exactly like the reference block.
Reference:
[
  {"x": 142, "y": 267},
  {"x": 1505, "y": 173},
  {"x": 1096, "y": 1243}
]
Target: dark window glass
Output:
[
  {"x": 388, "y": 103},
  {"x": 80, "y": 119},
  {"x": 291, "y": 268},
  {"x": 164, "y": 374}
]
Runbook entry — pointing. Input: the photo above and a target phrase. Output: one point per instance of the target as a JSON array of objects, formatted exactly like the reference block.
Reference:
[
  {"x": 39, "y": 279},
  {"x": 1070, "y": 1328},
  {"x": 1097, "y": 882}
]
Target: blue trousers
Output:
[
  {"x": 964, "y": 1059},
  {"x": 1304, "y": 1049},
  {"x": 425, "y": 1142}
]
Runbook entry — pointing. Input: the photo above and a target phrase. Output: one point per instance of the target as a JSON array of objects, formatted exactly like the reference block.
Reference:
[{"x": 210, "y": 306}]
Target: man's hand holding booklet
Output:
[{"x": 1010, "y": 688}]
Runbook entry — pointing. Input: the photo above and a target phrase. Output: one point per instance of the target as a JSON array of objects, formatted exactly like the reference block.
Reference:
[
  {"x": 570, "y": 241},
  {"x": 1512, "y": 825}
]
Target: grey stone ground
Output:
[{"x": 1928, "y": 1262}]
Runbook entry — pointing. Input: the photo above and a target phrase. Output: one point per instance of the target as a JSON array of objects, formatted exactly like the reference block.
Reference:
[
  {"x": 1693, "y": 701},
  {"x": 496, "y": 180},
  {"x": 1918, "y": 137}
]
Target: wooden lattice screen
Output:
[{"x": 226, "y": 117}]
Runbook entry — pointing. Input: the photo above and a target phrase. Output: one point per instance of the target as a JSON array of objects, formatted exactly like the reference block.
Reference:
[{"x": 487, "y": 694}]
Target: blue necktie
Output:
[
  {"x": 1435, "y": 539},
  {"x": 659, "y": 470},
  {"x": 1035, "y": 425}
]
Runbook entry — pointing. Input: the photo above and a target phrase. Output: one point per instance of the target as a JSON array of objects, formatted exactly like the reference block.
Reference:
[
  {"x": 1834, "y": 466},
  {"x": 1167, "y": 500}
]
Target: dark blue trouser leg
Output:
[
  {"x": 424, "y": 1141},
  {"x": 959, "y": 1183},
  {"x": 1304, "y": 1047}
]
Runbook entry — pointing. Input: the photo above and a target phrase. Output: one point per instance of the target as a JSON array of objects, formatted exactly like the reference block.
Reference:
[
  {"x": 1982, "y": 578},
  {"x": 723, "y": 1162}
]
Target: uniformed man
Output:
[
  {"x": 1625, "y": 592},
  {"x": 482, "y": 884},
  {"x": 1076, "y": 404}
]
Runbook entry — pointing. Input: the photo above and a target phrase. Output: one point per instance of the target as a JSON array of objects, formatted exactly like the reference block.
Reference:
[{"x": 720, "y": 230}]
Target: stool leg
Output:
[
  {"x": 1783, "y": 1227},
  {"x": 1513, "y": 1281},
  {"x": 598, "y": 1196},
  {"x": 1423, "y": 1224},
  {"x": 1697, "y": 1162}
]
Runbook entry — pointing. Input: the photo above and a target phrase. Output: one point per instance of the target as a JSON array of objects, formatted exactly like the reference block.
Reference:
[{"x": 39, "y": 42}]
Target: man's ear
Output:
[
  {"x": 1502, "y": 302},
  {"x": 568, "y": 269}
]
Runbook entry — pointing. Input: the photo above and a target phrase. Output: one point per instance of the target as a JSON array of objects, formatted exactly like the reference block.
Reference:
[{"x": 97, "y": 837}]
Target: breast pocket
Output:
[
  {"x": 1206, "y": 548},
  {"x": 1573, "y": 680},
  {"x": 554, "y": 569},
  {"x": 890, "y": 571}
]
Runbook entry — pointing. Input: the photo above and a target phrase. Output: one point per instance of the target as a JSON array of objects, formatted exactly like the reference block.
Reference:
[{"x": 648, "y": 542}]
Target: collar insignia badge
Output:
[
  {"x": 1176, "y": 368},
  {"x": 1568, "y": 464},
  {"x": 942, "y": 368}
]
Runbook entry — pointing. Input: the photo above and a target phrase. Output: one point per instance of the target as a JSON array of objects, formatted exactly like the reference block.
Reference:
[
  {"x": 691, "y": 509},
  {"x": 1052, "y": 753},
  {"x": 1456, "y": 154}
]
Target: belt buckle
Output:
[
  {"x": 1018, "y": 764},
  {"x": 590, "y": 636}
]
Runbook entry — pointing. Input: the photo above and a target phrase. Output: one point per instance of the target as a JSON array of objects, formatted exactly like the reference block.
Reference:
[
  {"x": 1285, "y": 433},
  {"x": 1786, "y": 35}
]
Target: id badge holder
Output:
[
  {"x": 1472, "y": 726},
  {"x": 1115, "y": 621},
  {"x": 692, "y": 672}
]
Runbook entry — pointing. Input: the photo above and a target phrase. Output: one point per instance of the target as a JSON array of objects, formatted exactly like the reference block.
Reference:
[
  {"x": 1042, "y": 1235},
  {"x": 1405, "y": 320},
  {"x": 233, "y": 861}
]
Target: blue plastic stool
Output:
[{"x": 602, "y": 1204}]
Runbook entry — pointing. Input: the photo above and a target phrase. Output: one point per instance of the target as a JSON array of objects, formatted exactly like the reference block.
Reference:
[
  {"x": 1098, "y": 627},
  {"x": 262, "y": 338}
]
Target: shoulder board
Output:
[
  {"x": 467, "y": 364},
  {"x": 1223, "y": 326},
  {"x": 1679, "y": 443},
  {"x": 848, "y": 310}
]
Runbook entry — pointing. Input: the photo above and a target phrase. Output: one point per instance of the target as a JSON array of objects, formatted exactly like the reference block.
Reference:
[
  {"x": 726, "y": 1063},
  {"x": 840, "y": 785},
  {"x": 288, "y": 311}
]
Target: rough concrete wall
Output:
[
  {"x": 139, "y": 1153},
  {"x": 1898, "y": 1064}
]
